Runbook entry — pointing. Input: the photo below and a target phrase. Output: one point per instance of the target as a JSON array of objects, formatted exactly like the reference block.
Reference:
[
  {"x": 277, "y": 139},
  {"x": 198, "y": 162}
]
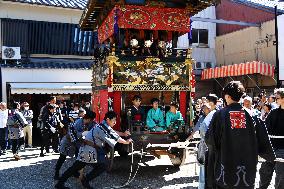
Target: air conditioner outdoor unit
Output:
[
  {"x": 11, "y": 53},
  {"x": 199, "y": 65},
  {"x": 208, "y": 65}
]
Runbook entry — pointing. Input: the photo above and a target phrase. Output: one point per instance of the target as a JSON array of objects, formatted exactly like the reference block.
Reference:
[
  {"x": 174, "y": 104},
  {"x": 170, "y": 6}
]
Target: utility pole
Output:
[{"x": 278, "y": 83}]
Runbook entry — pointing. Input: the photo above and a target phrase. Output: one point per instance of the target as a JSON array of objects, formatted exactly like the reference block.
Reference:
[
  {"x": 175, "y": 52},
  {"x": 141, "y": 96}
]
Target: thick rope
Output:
[
  {"x": 277, "y": 137},
  {"x": 273, "y": 136},
  {"x": 131, "y": 170}
]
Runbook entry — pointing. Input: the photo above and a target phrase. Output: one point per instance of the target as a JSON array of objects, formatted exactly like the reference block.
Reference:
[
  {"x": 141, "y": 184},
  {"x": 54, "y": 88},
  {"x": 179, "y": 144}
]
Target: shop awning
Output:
[
  {"x": 51, "y": 88},
  {"x": 248, "y": 68}
]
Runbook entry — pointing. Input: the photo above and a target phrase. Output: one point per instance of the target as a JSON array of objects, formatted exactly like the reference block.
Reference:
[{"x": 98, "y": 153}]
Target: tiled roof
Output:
[
  {"x": 50, "y": 64},
  {"x": 266, "y": 4},
  {"x": 73, "y": 4},
  {"x": 81, "y": 4}
]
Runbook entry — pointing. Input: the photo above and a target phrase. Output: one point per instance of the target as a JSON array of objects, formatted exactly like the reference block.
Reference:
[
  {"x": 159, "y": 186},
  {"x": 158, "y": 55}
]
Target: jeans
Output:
[
  {"x": 201, "y": 177},
  {"x": 3, "y": 138},
  {"x": 8, "y": 141}
]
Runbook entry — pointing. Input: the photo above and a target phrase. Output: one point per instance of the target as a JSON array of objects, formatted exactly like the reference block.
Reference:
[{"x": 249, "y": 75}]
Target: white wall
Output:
[
  {"x": 211, "y": 27},
  {"x": 0, "y": 36},
  {"x": 203, "y": 54},
  {"x": 280, "y": 22},
  {"x": 39, "y": 13},
  {"x": 43, "y": 75}
]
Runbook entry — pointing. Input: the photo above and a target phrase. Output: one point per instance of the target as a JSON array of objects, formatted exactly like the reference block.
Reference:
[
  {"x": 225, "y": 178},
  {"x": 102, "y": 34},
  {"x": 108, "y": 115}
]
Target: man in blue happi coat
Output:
[{"x": 93, "y": 151}]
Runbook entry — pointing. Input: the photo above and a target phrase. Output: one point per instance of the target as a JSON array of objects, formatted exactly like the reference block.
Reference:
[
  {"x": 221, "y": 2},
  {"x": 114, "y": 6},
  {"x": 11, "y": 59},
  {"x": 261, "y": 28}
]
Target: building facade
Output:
[
  {"x": 252, "y": 11},
  {"x": 55, "y": 55},
  {"x": 202, "y": 43},
  {"x": 52, "y": 47},
  {"x": 245, "y": 53}
]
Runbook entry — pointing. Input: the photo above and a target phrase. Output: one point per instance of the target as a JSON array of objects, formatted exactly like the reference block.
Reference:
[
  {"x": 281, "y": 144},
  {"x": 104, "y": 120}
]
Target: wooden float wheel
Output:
[{"x": 177, "y": 157}]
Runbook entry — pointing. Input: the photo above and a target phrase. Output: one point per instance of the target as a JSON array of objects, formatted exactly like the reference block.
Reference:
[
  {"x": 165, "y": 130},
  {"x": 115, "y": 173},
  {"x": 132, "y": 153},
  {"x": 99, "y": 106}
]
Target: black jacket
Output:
[
  {"x": 275, "y": 126},
  {"x": 232, "y": 139},
  {"x": 51, "y": 121}
]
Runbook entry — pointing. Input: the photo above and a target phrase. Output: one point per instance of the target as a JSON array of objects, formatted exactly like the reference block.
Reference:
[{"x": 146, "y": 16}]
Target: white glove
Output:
[
  {"x": 53, "y": 130},
  {"x": 85, "y": 133}
]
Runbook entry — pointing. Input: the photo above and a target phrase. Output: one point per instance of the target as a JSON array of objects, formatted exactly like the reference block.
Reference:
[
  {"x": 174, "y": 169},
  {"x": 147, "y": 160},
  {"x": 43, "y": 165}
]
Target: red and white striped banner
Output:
[{"x": 247, "y": 68}]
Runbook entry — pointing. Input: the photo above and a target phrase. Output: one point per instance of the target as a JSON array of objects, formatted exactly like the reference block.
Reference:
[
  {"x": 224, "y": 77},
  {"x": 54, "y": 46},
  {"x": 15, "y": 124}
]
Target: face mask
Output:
[{"x": 26, "y": 108}]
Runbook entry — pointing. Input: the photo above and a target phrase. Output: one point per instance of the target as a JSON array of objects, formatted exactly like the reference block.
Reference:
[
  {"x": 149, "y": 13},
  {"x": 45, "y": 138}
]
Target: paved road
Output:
[{"x": 33, "y": 172}]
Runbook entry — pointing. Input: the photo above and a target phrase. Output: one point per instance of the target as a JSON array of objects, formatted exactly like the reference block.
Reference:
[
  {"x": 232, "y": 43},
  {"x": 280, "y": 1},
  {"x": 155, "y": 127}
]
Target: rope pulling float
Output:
[
  {"x": 277, "y": 137},
  {"x": 274, "y": 136},
  {"x": 131, "y": 177},
  {"x": 183, "y": 145}
]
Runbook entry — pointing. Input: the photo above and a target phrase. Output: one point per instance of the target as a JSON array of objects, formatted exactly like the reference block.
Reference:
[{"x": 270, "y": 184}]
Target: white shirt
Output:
[
  {"x": 252, "y": 112},
  {"x": 74, "y": 114},
  {"x": 274, "y": 105},
  {"x": 208, "y": 118},
  {"x": 3, "y": 118},
  {"x": 205, "y": 124}
]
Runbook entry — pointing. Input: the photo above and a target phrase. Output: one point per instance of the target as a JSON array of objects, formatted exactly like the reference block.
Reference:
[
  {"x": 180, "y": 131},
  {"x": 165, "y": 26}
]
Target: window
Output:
[
  {"x": 199, "y": 37},
  {"x": 37, "y": 37},
  {"x": 203, "y": 36},
  {"x": 198, "y": 65},
  {"x": 194, "y": 34}
]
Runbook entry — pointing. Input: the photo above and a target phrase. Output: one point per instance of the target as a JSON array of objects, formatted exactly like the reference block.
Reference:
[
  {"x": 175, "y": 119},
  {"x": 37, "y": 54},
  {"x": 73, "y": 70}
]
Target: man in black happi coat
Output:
[{"x": 235, "y": 138}]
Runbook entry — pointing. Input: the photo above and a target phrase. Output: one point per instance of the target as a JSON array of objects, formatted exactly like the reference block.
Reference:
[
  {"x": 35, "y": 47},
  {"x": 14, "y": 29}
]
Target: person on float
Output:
[
  {"x": 137, "y": 112},
  {"x": 173, "y": 116},
  {"x": 155, "y": 117}
]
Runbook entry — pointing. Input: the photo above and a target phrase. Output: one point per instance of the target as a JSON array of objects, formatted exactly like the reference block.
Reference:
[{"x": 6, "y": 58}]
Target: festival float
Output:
[{"x": 137, "y": 55}]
